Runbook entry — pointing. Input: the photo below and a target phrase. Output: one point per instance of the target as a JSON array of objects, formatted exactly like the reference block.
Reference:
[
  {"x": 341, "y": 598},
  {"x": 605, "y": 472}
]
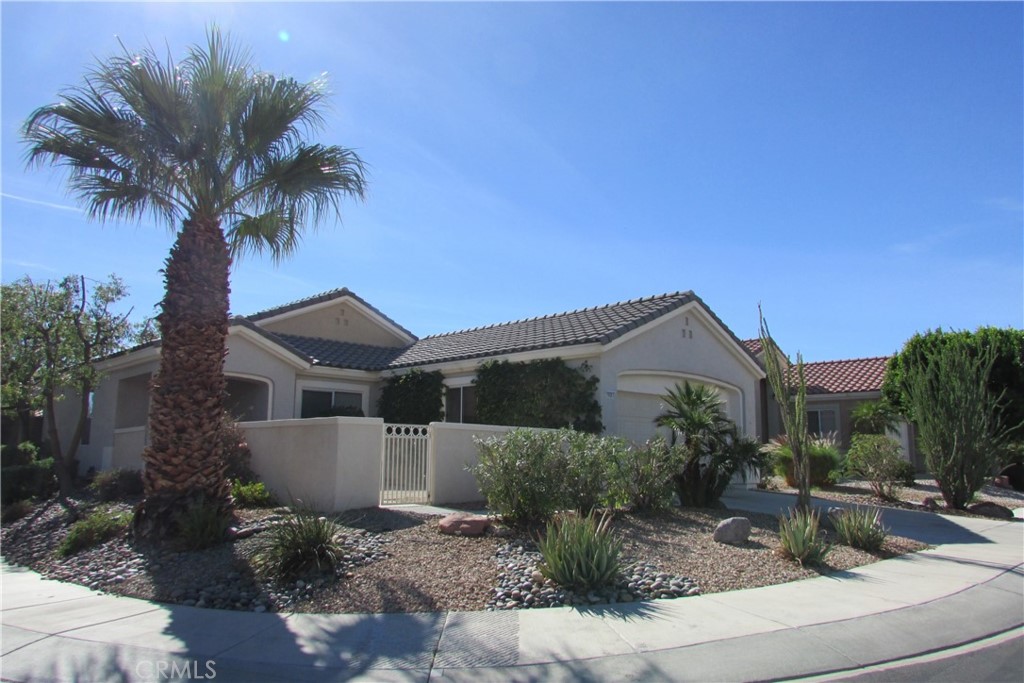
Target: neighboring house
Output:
[
  {"x": 334, "y": 350},
  {"x": 834, "y": 389}
]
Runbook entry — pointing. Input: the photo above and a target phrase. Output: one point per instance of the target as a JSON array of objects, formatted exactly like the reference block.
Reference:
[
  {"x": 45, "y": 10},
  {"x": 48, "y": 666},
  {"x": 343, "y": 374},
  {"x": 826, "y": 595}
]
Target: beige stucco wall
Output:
[
  {"x": 453, "y": 450},
  {"x": 248, "y": 359},
  {"x": 340, "y": 320},
  {"x": 683, "y": 345},
  {"x": 100, "y": 452},
  {"x": 330, "y": 463}
]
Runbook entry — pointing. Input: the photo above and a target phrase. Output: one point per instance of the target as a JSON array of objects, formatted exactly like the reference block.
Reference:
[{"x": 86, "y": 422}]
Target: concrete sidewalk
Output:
[{"x": 969, "y": 588}]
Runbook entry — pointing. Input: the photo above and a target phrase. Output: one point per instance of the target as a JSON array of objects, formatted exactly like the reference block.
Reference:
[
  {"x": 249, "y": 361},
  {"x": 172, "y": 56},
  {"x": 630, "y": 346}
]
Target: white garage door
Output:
[{"x": 636, "y": 413}]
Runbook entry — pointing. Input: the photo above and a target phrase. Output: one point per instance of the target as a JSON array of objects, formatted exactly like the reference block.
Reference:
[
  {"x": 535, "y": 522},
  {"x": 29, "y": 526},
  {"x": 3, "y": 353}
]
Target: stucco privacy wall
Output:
[
  {"x": 684, "y": 344},
  {"x": 454, "y": 449},
  {"x": 329, "y": 463}
]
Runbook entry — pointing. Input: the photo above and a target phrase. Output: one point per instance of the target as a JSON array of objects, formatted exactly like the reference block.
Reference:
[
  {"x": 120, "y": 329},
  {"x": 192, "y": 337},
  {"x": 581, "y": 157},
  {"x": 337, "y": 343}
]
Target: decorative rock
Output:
[
  {"x": 464, "y": 524},
  {"x": 732, "y": 531},
  {"x": 991, "y": 510},
  {"x": 929, "y": 504}
]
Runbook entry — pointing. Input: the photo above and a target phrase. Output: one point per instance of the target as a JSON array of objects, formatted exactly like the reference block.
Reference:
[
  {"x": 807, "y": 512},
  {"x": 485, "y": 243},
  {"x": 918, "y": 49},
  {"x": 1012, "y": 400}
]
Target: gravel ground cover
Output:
[
  {"x": 909, "y": 498},
  {"x": 398, "y": 561}
]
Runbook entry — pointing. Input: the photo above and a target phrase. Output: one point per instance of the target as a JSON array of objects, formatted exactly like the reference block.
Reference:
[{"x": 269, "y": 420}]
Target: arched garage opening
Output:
[
  {"x": 638, "y": 401},
  {"x": 248, "y": 398}
]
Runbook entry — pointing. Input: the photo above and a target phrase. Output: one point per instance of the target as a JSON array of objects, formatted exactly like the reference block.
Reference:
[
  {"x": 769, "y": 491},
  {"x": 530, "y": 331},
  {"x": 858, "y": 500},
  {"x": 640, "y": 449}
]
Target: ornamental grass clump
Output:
[
  {"x": 98, "y": 527},
  {"x": 302, "y": 542},
  {"x": 860, "y": 528},
  {"x": 580, "y": 553},
  {"x": 202, "y": 524},
  {"x": 800, "y": 538}
]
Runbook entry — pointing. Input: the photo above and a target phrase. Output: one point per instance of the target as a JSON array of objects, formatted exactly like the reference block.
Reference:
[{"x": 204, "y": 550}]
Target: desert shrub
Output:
[
  {"x": 587, "y": 469},
  {"x": 859, "y": 527},
  {"x": 521, "y": 474},
  {"x": 798, "y": 534},
  {"x": 35, "y": 479},
  {"x": 301, "y": 542},
  {"x": 254, "y": 495},
  {"x": 877, "y": 458},
  {"x": 201, "y": 525},
  {"x": 15, "y": 511},
  {"x": 641, "y": 476},
  {"x": 99, "y": 526},
  {"x": 959, "y": 421},
  {"x": 823, "y": 460},
  {"x": 580, "y": 553},
  {"x": 907, "y": 474},
  {"x": 117, "y": 484}
]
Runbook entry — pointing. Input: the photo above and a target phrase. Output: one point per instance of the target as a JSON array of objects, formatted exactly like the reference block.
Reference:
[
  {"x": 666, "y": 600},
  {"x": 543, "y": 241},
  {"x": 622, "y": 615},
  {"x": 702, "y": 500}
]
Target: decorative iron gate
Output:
[{"x": 405, "y": 476}]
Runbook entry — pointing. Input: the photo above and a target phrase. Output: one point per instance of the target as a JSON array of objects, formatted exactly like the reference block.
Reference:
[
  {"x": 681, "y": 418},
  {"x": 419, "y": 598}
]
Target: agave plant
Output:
[
  {"x": 800, "y": 539},
  {"x": 580, "y": 553}
]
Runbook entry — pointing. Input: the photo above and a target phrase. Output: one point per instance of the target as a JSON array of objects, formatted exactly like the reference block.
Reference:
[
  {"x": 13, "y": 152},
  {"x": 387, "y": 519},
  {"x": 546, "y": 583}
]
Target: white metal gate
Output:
[{"x": 405, "y": 475}]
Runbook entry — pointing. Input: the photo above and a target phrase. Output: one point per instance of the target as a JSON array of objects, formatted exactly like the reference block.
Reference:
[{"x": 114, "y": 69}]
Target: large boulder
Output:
[
  {"x": 991, "y": 510},
  {"x": 464, "y": 524},
  {"x": 733, "y": 531}
]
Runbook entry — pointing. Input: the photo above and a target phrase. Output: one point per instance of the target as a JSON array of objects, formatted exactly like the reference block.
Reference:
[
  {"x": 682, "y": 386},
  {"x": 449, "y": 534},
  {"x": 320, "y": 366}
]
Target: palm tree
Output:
[
  {"x": 707, "y": 439},
  {"x": 217, "y": 147}
]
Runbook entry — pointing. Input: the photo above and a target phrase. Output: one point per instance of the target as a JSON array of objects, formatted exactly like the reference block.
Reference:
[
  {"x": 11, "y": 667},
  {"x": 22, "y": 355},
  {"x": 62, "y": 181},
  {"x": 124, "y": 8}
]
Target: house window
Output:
[
  {"x": 331, "y": 403},
  {"x": 460, "y": 405},
  {"x": 822, "y": 421}
]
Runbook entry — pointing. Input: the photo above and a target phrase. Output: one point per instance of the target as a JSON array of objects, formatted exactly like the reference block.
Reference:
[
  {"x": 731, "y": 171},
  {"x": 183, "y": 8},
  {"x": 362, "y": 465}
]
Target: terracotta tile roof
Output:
[
  {"x": 753, "y": 346},
  {"x": 845, "y": 376}
]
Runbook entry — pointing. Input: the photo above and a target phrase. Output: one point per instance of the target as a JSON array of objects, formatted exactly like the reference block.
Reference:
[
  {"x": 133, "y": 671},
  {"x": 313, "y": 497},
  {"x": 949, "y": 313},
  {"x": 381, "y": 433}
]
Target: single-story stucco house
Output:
[{"x": 335, "y": 350}]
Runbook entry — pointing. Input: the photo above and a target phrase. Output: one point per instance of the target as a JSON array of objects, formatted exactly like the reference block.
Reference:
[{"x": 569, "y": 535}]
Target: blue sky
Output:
[{"x": 855, "y": 168}]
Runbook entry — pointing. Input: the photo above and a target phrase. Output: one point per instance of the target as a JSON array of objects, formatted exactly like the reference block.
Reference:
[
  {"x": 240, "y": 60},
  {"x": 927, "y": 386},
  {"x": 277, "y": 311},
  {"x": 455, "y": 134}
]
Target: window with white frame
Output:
[
  {"x": 327, "y": 403},
  {"x": 821, "y": 421}
]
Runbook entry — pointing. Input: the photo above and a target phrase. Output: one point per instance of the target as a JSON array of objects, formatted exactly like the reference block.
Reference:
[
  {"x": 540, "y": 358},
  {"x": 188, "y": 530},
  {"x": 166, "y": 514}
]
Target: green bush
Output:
[
  {"x": 800, "y": 539},
  {"x": 117, "y": 484},
  {"x": 301, "y": 542},
  {"x": 201, "y": 525},
  {"x": 416, "y": 398},
  {"x": 859, "y": 527},
  {"x": 878, "y": 459},
  {"x": 580, "y": 553},
  {"x": 824, "y": 459},
  {"x": 907, "y": 474},
  {"x": 33, "y": 480},
  {"x": 254, "y": 495},
  {"x": 99, "y": 526},
  {"x": 641, "y": 476},
  {"x": 522, "y": 475},
  {"x": 25, "y": 453},
  {"x": 541, "y": 393},
  {"x": 587, "y": 470}
]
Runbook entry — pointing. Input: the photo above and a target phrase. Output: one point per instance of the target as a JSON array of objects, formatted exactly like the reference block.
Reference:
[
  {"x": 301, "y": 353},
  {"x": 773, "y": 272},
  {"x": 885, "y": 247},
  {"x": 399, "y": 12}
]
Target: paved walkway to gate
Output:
[{"x": 968, "y": 588}]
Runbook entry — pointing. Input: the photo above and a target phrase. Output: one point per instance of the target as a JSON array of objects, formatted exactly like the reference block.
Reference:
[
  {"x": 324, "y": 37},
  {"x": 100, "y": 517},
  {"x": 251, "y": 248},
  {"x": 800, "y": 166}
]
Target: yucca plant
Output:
[
  {"x": 800, "y": 538},
  {"x": 860, "y": 527},
  {"x": 301, "y": 542},
  {"x": 580, "y": 553}
]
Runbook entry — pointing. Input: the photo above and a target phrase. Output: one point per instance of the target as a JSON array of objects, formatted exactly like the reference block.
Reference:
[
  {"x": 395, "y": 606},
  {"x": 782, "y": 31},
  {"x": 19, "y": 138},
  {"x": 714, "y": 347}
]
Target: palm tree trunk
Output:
[{"x": 184, "y": 464}]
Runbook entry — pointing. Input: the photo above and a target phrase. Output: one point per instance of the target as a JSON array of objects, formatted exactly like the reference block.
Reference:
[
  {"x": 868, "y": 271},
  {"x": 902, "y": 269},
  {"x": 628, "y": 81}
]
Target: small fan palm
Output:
[
  {"x": 217, "y": 146},
  {"x": 708, "y": 439}
]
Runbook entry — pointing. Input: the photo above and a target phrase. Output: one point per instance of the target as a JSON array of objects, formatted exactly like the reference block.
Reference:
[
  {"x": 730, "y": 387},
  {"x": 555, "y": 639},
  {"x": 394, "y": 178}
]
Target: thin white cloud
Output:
[
  {"x": 49, "y": 205},
  {"x": 28, "y": 265}
]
